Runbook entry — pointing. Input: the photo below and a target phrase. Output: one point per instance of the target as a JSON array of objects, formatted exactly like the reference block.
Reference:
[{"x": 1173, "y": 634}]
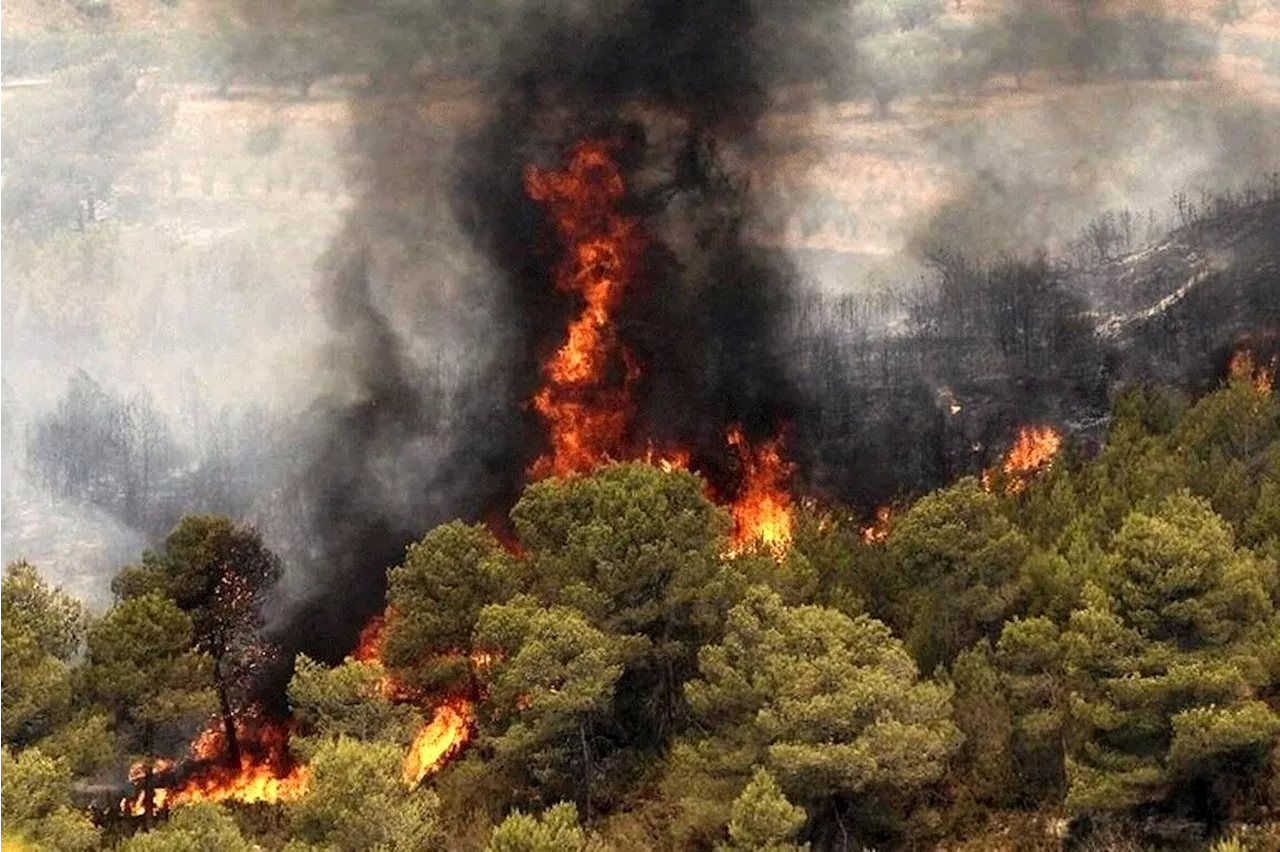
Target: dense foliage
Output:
[{"x": 1098, "y": 648}]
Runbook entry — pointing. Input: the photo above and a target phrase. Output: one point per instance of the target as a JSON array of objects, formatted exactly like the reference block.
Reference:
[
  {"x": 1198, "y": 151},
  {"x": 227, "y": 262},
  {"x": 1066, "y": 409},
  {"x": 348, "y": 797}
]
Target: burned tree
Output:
[{"x": 217, "y": 573}]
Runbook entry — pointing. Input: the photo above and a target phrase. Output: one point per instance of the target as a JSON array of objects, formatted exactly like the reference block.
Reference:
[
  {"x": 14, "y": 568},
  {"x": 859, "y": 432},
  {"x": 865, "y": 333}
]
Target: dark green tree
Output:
[
  {"x": 958, "y": 567},
  {"x": 218, "y": 574},
  {"x": 435, "y": 597},
  {"x": 36, "y": 804},
  {"x": 197, "y": 827},
  {"x": 349, "y": 699},
  {"x": 358, "y": 801},
  {"x": 1149, "y": 693},
  {"x": 830, "y": 705},
  {"x": 142, "y": 668},
  {"x": 551, "y": 693},
  {"x": 637, "y": 550},
  {"x": 555, "y": 830},
  {"x": 1229, "y": 441},
  {"x": 41, "y": 630},
  {"x": 762, "y": 820}
]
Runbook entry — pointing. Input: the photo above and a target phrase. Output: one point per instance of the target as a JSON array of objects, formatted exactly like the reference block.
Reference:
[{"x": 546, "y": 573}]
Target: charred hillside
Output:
[
  {"x": 1180, "y": 307},
  {"x": 905, "y": 393}
]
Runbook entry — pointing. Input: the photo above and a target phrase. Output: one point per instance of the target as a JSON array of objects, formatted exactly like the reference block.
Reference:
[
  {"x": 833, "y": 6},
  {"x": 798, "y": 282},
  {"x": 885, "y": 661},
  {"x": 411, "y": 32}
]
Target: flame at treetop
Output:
[
  {"x": 1034, "y": 450},
  {"x": 369, "y": 645},
  {"x": 762, "y": 510},
  {"x": 1243, "y": 369},
  {"x": 586, "y": 408},
  {"x": 266, "y": 773},
  {"x": 878, "y": 531}
]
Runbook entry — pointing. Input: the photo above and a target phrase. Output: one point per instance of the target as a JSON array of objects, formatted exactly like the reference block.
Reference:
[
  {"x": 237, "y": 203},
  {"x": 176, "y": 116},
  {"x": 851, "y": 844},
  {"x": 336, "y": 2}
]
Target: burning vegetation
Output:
[
  {"x": 442, "y": 738},
  {"x": 763, "y": 513},
  {"x": 265, "y": 772},
  {"x": 878, "y": 532},
  {"x": 1243, "y": 369},
  {"x": 1033, "y": 451},
  {"x": 586, "y": 402},
  {"x": 637, "y": 635},
  {"x": 451, "y": 721}
]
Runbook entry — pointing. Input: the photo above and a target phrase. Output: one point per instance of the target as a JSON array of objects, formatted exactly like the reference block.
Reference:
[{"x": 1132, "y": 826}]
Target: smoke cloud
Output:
[{"x": 674, "y": 86}]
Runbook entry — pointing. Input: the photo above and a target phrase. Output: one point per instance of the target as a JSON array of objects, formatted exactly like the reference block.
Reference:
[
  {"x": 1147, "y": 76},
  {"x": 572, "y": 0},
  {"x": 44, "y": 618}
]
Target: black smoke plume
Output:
[
  {"x": 673, "y": 85},
  {"x": 443, "y": 307}
]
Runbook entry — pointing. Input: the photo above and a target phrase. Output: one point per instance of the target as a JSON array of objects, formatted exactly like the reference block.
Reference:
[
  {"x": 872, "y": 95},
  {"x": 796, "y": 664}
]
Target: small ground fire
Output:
[
  {"x": 266, "y": 772},
  {"x": 1243, "y": 368}
]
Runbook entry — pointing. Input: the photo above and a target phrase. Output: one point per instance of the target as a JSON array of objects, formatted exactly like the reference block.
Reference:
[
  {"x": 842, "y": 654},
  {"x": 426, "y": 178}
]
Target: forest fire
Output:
[
  {"x": 1033, "y": 450},
  {"x": 1243, "y": 368},
  {"x": 585, "y": 403},
  {"x": 450, "y": 726},
  {"x": 265, "y": 773},
  {"x": 878, "y": 531},
  {"x": 586, "y": 407},
  {"x": 762, "y": 510},
  {"x": 369, "y": 645},
  {"x": 369, "y": 650},
  {"x": 443, "y": 737}
]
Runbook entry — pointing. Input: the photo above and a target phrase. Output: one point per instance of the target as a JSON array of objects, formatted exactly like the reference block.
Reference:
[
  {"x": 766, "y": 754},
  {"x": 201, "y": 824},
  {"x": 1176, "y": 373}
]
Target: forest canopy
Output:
[{"x": 1093, "y": 655}]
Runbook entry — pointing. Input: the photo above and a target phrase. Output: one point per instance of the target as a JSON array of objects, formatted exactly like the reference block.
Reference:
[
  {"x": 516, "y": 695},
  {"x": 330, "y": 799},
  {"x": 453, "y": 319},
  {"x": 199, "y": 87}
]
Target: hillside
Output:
[{"x": 1178, "y": 308}]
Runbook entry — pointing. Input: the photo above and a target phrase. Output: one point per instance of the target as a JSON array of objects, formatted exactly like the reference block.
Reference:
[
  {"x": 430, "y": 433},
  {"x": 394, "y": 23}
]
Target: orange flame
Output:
[
  {"x": 369, "y": 650},
  {"x": 369, "y": 645},
  {"x": 584, "y": 402},
  {"x": 442, "y": 738},
  {"x": 762, "y": 510},
  {"x": 265, "y": 772},
  {"x": 585, "y": 408},
  {"x": 1243, "y": 369},
  {"x": 501, "y": 529},
  {"x": 450, "y": 726},
  {"x": 1033, "y": 451},
  {"x": 667, "y": 460},
  {"x": 878, "y": 531}
]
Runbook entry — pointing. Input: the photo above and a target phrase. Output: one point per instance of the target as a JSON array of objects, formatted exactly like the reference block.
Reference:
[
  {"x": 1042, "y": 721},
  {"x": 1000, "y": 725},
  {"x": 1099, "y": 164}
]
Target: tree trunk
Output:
[
  {"x": 880, "y": 105},
  {"x": 148, "y": 794},
  {"x": 228, "y": 720},
  {"x": 844, "y": 830},
  {"x": 586, "y": 772},
  {"x": 148, "y": 777}
]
